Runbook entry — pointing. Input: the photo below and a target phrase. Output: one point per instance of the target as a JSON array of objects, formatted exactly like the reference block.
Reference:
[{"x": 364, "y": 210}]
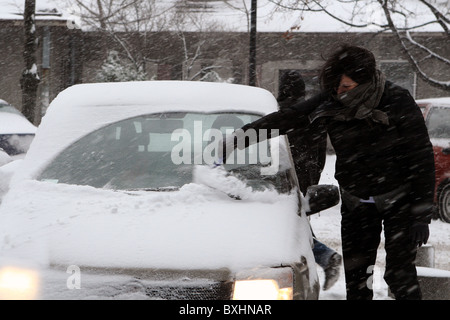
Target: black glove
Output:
[{"x": 419, "y": 233}]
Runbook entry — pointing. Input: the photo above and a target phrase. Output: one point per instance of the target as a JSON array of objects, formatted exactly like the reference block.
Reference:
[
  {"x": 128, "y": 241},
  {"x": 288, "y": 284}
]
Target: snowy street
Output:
[{"x": 326, "y": 226}]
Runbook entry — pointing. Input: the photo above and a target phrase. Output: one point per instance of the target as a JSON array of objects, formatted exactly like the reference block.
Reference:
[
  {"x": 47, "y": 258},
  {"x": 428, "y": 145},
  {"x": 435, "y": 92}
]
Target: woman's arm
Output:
[
  {"x": 277, "y": 123},
  {"x": 286, "y": 119}
]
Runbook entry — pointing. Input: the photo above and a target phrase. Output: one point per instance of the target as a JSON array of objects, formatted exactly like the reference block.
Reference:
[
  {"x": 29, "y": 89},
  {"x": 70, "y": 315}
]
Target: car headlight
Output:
[
  {"x": 18, "y": 283},
  {"x": 265, "y": 284}
]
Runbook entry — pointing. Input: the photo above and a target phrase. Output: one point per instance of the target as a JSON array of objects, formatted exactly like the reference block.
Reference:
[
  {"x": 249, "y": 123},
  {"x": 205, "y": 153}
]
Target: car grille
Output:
[
  {"x": 157, "y": 284},
  {"x": 210, "y": 291}
]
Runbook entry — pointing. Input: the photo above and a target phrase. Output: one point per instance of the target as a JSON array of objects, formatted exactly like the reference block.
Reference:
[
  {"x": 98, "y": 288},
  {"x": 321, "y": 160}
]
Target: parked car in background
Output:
[
  {"x": 437, "y": 117},
  {"x": 117, "y": 198},
  {"x": 16, "y": 132}
]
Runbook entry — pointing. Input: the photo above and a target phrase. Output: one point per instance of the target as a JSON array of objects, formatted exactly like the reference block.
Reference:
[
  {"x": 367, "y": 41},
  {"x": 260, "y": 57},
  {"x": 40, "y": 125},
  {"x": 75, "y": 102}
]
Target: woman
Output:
[{"x": 384, "y": 167}]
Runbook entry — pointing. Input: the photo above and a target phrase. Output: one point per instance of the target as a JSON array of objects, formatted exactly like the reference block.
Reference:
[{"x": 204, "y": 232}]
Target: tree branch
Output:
[
  {"x": 445, "y": 85},
  {"x": 431, "y": 53},
  {"x": 441, "y": 19}
]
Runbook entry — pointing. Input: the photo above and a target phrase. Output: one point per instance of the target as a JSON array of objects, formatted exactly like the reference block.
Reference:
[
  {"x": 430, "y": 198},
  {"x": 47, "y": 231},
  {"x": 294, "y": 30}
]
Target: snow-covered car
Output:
[
  {"x": 119, "y": 197},
  {"x": 437, "y": 117},
  {"x": 16, "y": 132}
]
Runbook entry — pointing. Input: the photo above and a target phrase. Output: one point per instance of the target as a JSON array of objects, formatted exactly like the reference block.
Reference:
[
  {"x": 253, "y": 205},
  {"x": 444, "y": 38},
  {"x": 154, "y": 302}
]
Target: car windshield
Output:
[
  {"x": 438, "y": 123},
  {"x": 159, "y": 152}
]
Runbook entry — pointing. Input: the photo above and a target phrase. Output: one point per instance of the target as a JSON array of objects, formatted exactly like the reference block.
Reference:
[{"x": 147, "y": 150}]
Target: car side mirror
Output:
[{"x": 321, "y": 197}]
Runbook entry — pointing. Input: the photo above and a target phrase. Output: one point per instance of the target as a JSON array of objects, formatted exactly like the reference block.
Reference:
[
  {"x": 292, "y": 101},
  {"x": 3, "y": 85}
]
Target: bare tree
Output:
[
  {"x": 192, "y": 52},
  {"x": 192, "y": 25},
  {"x": 123, "y": 19},
  {"x": 244, "y": 9},
  {"x": 416, "y": 52},
  {"x": 399, "y": 19},
  {"x": 30, "y": 78},
  {"x": 126, "y": 20},
  {"x": 193, "y": 55}
]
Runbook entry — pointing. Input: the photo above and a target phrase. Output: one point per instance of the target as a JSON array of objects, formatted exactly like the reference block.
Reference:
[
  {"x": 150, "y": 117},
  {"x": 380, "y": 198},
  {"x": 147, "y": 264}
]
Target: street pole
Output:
[
  {"x": 252, "y": 55},
  {"x": 30, "y": 78}
]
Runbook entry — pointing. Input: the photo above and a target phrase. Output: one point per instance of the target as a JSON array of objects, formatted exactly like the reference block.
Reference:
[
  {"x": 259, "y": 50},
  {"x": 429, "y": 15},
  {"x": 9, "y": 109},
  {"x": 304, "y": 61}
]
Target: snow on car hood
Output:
[{"x": 195, "y": 227}]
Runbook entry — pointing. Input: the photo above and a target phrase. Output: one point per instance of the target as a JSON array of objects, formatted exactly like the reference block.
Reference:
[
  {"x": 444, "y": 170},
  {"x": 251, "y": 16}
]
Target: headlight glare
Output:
[
  {"x": 270, "y": 284},
  {"x": 18, "y": 283}
]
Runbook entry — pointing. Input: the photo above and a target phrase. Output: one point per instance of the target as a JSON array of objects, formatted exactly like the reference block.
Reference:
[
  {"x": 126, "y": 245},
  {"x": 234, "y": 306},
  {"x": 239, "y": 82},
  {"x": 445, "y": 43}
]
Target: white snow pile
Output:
[
  {"x": 221, "y": 180},
  {"x": 218, "y": 179}
]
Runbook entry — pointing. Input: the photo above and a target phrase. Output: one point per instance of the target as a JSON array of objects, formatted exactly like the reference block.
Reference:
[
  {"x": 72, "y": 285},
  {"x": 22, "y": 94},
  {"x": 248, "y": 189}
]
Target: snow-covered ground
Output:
[{"x": 327, "y": 228}]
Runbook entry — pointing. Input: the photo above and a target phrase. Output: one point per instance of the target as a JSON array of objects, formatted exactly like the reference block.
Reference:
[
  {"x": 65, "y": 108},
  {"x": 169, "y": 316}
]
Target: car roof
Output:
[
  {"x": 444, "y": 101},
  {"x": 12, "y": 121},
  {"x": 429, "y": 103},
  {"x": 170, "y": 96}
]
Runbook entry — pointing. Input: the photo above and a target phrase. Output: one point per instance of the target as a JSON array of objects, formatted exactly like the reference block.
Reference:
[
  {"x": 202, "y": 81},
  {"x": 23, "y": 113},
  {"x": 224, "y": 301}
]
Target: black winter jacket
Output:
[{"x": 372, "y": 158}]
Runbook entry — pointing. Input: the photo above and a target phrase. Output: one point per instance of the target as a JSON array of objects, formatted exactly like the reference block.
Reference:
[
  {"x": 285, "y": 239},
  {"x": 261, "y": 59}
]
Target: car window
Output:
[
  {"x": 159, "y": 151},
  {"x": 438, "y": 123}
]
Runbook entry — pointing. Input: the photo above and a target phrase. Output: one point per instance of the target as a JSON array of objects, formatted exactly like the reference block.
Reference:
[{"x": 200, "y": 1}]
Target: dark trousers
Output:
[{"x": 360, "y": 231}]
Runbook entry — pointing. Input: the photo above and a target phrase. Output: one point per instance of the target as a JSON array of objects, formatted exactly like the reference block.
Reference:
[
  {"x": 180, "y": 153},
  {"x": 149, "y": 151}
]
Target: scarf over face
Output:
[{"x": 360, "y": 102}]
